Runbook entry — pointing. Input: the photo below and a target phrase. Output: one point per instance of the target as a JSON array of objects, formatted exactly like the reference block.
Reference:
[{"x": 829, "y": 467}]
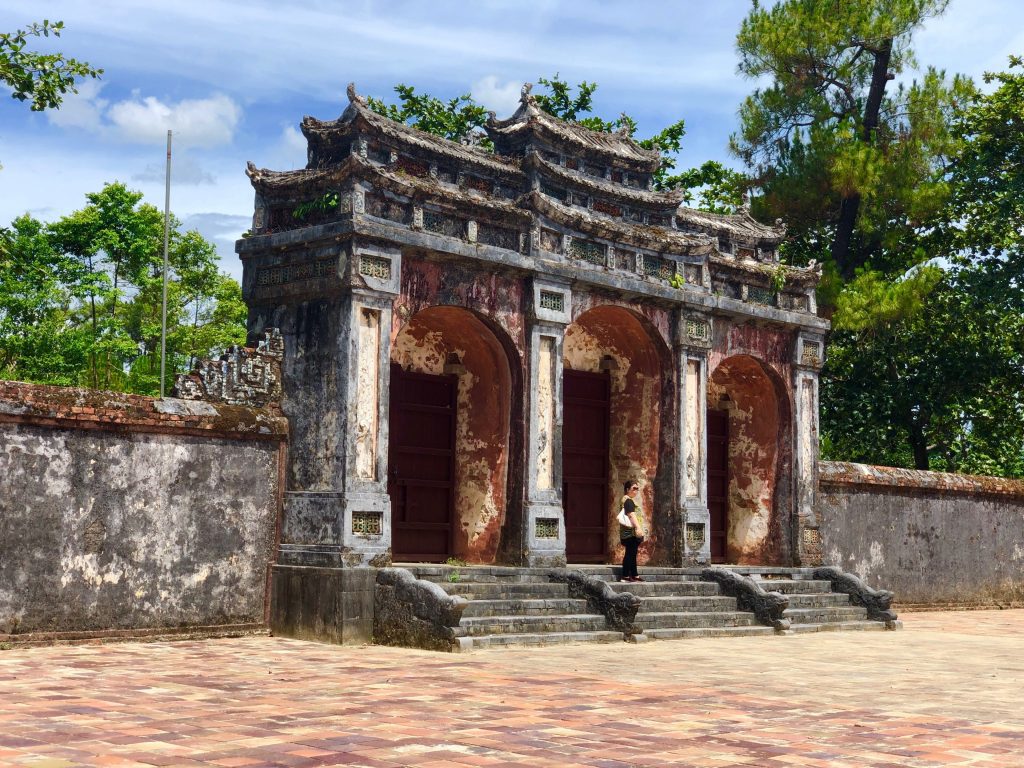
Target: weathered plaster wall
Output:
[
  {"x": 425, "y": 343},
  {"x": 752, "y": 363},
  {"x": 120, "y": 512},
  {"x": 641, "y": 410},
  {"x": 934, "y": 539}
]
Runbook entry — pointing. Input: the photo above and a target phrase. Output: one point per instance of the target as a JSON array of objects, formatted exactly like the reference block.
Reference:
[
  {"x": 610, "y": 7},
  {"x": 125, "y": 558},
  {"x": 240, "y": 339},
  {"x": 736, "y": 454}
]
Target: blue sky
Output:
[{"x": 233, "y": 79}]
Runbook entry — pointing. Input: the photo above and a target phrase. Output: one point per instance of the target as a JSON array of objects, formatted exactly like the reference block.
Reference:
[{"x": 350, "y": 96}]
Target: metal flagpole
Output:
[{"x": 167, "y": 234}]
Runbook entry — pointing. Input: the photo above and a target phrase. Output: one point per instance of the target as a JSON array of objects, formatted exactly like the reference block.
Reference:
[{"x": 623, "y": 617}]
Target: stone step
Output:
[
  {"x": 646, "y": 589},
  {"x": 680, "y": 633},
  {"x": 493, "y": 591},
  {"x": 840, "y": 626},
  {"x": 614, "y": 572},
  {"x": 695, "y": 619},
  {"x": 513, "y": 625},
  {"x": 675, "y": 603},
  {"x": 825, "y": 615},
  {"x": 525, "y": 607},
  {"x": 479, "y": 574},
  {"x": 536, "y": 638},
  {"x": 795, "y": 586},
  {"x": 819, "y": 600}
]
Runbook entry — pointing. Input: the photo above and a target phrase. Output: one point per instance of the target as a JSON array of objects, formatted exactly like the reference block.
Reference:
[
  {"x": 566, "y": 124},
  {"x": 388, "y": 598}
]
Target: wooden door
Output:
[
  {"x": 586, "y": 410},
  {"x": 718, "y": 482},
  {"x": 421, "y": 465}
]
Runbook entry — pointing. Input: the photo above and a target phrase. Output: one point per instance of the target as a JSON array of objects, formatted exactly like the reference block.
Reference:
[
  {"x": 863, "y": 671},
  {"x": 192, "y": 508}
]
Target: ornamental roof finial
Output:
[{"x": 524, "y": 94}]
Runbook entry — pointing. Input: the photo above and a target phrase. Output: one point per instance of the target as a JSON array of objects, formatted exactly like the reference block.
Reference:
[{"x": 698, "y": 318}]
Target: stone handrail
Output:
[
  {"x": 618, "y": 608},
  {"x": 768, "y": 607},
  {"x": 877, "y": 601},
  {"x": 414, "y": 612}
]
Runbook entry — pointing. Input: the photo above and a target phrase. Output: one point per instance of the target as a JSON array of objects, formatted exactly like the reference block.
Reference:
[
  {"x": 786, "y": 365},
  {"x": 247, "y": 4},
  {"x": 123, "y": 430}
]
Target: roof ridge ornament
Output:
[{"x": 354, "y": 97}]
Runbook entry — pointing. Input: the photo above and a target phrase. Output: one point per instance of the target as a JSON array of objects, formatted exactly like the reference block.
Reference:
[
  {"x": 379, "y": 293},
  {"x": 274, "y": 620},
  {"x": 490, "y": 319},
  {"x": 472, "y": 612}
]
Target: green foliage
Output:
[
  {"x": 836, "y": 149},
  {"x": 869, "y": 302},
  {"x": 677, "y": 280},
  {"x": 462, "y": 118},
  {"x": 80, "y": 299},
  {"x": 454, "y": 119},
  {"x": 323, "y": 204},
  {"x": 40, "y": 78}
]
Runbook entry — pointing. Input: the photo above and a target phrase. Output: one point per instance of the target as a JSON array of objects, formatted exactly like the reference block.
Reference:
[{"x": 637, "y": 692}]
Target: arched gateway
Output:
[{"x": 480, "y": 347}]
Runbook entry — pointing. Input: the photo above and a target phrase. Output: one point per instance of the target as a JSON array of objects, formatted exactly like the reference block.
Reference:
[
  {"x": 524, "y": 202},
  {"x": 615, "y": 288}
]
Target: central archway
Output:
[
  {"x": 616, "y": 343},
  {"x": 748, "y": 417},
  {"x": 453, "y": 344}
]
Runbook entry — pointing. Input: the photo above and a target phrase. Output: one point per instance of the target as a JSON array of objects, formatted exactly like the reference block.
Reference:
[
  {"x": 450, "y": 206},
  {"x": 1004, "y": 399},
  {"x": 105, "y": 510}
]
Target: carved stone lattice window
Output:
[
  {"x": 758, "y": 295},
  {"x": 811, "y": 353},
  {"x": 367, "y": 523},
  {"x": 603, "y": 206},
  {"x": 698, "y": 330},
  {"x": 631, "y": 214},
  {"x": 655, "y": 266},
  {"x": 589, "y": 251},
  {"x": 413, "y": 167},
  {"x": 546, "y": 527},
  {"x": 550, "y": 241},
  {"x": 477, "y": 183},
  {"x": 694, "y": 535},
  {"x": 499, "y": 237},
  {"x": 443, "y": 225},
  {"x": 552, "y": 300},
  {"x": 385, "y": 208},
  {"x": 294, "y": 272},
  {"x": 375, "y": 266}
]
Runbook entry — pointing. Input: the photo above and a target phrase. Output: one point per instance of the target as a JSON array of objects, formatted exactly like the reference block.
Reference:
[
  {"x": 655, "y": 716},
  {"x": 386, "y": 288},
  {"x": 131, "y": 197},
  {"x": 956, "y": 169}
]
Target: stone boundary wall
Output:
[
  {"x": 124, "y": 515},
  {"x": 935, "y": 539}
]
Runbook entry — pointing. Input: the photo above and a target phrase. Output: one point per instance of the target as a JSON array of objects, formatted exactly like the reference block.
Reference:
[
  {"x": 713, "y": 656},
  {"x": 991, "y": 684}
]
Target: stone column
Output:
[
  {"x": 336, "y": 522},
  {"x": 693, "y": 342},
  {"x": 544, "y": 523},
  {"x": 808, "y": 356}
]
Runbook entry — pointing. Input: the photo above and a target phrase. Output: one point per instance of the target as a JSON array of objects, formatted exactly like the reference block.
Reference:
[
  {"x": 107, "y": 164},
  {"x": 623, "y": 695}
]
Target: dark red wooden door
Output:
[
  {"x": 586, "y": 408},
  {"x": 421, "y": 465},
  {"x": 718, "y": 482}
]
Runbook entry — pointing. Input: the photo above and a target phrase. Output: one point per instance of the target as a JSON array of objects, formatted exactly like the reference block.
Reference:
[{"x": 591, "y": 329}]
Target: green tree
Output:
[
  {"x": 938, "y": 383},
  {"x": 40, "y": 78},
  {"x": 80, "y": 299},
  {"x": 853, "y": 163},
  {"x": 462, "y": 118}
]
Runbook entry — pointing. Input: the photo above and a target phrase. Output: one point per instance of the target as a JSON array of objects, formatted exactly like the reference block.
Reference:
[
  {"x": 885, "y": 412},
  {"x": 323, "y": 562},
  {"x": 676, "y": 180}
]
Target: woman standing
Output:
[{"x": 632, "y": 535}]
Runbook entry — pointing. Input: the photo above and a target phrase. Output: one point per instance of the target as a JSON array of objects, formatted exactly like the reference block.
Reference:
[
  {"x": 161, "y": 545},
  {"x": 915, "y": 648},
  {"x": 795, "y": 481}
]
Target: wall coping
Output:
[
  {"x": 80, "y": 408},
  {"x": 838, "y": 473}
]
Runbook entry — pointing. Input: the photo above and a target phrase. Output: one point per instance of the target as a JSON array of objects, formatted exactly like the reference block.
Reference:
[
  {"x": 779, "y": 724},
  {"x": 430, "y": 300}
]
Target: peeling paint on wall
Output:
[
  {"x": 367, "y": 394},
  {"x": 545, "y": 413},
  {"x": 615, "y": 335},
  {"x": 426, "y": 342},
  {"x": 740, "y": 385},
  {"x": 694, "y": 420}
]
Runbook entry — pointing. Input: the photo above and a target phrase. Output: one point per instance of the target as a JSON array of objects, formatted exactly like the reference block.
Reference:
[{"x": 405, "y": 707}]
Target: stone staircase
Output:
[
  {"x": 516, "y": 606},
  {"x": 675, "y": 603},
  {"x": 813, "y": 606},
  {"x": 522, "y": 606}
]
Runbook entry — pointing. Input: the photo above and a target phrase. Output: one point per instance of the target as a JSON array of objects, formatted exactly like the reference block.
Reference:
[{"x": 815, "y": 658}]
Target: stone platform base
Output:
[{"x": 328, "y": 605}]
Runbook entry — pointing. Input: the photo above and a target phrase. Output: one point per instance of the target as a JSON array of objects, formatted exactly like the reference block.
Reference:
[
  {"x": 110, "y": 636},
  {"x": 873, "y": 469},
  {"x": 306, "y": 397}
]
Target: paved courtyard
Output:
[{"x": 946, "y": 691}]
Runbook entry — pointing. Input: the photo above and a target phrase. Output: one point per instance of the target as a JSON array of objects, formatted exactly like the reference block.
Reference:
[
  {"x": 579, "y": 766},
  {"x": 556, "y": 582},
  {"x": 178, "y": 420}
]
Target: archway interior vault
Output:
[
  {"x": 741, "y": 388},
  {"x": 614, "y": 340},
  {"x": 456, "y": 342}
]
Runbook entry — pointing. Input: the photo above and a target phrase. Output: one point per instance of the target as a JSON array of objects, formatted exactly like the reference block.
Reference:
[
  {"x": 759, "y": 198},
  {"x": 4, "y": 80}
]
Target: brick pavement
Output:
[{"x": 947, "y": 691}]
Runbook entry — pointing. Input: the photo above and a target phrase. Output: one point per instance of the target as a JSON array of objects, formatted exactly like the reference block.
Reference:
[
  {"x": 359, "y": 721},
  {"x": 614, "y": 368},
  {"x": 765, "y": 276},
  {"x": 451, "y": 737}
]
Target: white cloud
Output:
[
  {"x": 502, "y": 98},
  {"x": 294, "y": 145},
  {"x": 81, "y": 110},
  {"x": 207, "y": 122}
]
